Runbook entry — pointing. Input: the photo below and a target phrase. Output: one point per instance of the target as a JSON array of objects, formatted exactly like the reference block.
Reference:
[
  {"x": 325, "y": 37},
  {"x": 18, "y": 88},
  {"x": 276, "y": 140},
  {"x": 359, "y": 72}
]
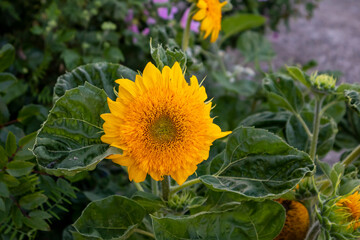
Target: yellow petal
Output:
[
  {"x": 151, "y": 75},
  {"x": 136, "y": 174},
  {"x": 121, "y": 160},
  {"x": 201, "y": 14},
  {"x": 177, "y": 78}
]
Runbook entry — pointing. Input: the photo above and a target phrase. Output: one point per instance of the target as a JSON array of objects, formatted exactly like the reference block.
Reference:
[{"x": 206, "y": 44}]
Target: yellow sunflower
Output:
[
  {"x": 161, "y": 123},
  {"x": 296, "y": 223},
  {"x": 350, "y": 207},
  {"x": 209, "y": 14}
]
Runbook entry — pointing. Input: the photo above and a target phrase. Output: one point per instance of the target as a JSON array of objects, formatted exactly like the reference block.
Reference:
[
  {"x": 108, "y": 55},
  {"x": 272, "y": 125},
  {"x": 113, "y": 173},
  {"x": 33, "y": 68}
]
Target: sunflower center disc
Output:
[{"x": 163, "y": 129}]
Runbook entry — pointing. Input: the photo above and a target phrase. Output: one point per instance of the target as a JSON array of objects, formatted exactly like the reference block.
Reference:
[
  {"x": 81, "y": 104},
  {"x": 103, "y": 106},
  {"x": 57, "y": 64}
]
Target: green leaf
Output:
[
  {"x": 347, "y": 86},
  {"x": 30, "y": 111},
  {"x": 26, "y": 144},
  {"x": 10, "y": 180},
  {"x": 149, "y": 201},
  {"x": 168, "y": 57},
  {"x": 10, "y": 146},
  {"x": 7, "y": 56},
  {"x": 19, "y": 168},
  {"x": 110, "y": 218},
  {"x": 297, "y": 137},
  {"x": 3, "y": 157},
  {"x": 283, "y": 92},
  {"x": 32, "y": 200},
  {"x": 15, "y": 90},
  {"x": 297, "y": 74},
  {"x": 273, "y": 122},
  {"x": 255, "y": 47},
  {"x": 114, "y": 54},
  {"x": 69, "y": 141},
  {"x": 2, "y": 205},
  {"x": 36, "y": 223},
  {"x": 4, "y": 112},
  {"x": 4, "y": 191},
  {"x": 246, "y": 221},
  {"x": 353, "y": 100},
  {"x": 336, "y": 111},
  {"x": 240, "y": 22},
  {"x": 6, "y": 80},
  {"x": 101, "y": 75},
  {"x": 39, "y": 214},
  {"x": 71, "y": 58},
  {"x": 258, "y": 164}
]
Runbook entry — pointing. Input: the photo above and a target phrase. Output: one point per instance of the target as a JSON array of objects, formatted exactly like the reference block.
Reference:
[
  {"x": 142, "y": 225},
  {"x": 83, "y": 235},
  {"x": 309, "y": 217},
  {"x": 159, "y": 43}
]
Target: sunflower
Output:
[
  {"x": 296, "y": 223},
  {"x": 350, "y": 208},
  {"x": 209, "y": 14},
  {"x": 161, "y": 123}
]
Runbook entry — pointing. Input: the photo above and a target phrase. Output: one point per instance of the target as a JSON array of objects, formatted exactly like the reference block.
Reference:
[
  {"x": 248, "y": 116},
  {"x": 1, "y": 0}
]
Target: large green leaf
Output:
[
  {"x": 272, "y": 121},
  {"x": 69, "y": 140},
  {"x": 283, "y": 92},
  {"x": 237, "y": 23},
  {"x": 246, "y": 221},
  {"x": 110, "y": 218},
  {"x": 299, "y": 75},
  {"x": 101, "y": 75},
  {"x": 7, "y": 56},
  {"x": 258, "y": 164},
  {"x": 297, "y": 137},
  {"x": 255, "y": 47}
]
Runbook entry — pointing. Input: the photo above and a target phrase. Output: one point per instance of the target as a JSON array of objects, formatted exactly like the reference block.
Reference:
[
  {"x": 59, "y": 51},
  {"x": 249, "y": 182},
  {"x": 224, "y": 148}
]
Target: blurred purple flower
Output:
[
  {"x": 130, "y": 15},
  {"x": 163, "y": 12},
  {"x": 134, "y": 28},
  {"x": 160, "y": 1},
  {"x": 150, "y": 21},
  {"x": 194, "y": 25},
  {"x": 145, "y": 32}
]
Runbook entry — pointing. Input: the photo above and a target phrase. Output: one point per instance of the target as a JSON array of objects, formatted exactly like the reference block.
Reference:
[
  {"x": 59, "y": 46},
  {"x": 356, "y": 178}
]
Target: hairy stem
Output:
[
  {"x": 139, "y": 187},
  {"x": 301, "y": 120},
  {"x": 316, "y": 127},
  {"x": 154, "y": 187},
  {"x": 186, "y": 184},
  {"x": 186, "y": 35},
  {"x": 165, "y": 185},
  {"x": 149, "y": 234},
  {"x": 352, "y": 156}
]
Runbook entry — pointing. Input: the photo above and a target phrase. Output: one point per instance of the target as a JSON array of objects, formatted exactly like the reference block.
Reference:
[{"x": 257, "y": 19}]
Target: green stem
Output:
[
  {"x": 186, "y": 184},
  {"x": 165, "y": 184},
  {"x": 186, "y": 36},
  {"x": 326, "y": 107},
  {"x": 154, "y": 187},
  {"x": 149, "y": 234},
  {"x": 301, "y": 120},
  {"x": 139, "y": 187},
  {"x": 352, "y": 156},
  {"x": 316, "y": 127}
]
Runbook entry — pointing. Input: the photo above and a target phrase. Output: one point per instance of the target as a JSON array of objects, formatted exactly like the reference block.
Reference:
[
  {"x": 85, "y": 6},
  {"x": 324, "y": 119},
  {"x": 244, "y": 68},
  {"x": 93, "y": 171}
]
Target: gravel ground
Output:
[{"x": 331, "y": 37}]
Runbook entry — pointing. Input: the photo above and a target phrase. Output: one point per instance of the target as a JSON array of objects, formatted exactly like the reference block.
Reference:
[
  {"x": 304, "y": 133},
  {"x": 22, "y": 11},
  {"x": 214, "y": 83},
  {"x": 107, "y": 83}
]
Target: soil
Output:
[{"x": 331, "y": 38}]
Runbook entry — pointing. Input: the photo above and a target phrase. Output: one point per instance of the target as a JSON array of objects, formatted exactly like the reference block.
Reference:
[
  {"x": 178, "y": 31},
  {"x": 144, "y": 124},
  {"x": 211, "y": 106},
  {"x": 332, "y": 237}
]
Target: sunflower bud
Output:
[
  {"x": 340, "y": 217},
  {"x": 323, "y": 82}
]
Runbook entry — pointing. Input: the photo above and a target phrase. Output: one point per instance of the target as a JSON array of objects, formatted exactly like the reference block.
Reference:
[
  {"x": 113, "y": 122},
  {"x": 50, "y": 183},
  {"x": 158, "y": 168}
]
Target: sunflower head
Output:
[
  {"x": 349, "y": 210},
  {"x": 161, "y": 123},
  {"x": 209, "y": 13},
  {"x": 297, "y": 221}
]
